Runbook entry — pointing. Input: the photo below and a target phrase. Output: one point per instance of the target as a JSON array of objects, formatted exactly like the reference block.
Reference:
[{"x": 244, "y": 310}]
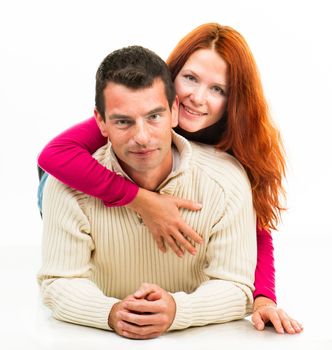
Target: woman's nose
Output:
[{"x": 198, "y": 96}]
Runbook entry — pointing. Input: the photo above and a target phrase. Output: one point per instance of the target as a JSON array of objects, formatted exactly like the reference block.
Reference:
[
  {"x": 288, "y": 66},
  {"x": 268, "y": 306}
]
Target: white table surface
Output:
[{"x": 26, "y": 324}]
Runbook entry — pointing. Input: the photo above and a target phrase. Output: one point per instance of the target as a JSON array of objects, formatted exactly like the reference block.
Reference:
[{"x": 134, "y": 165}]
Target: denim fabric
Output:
[{"x": 42, "y": 181}]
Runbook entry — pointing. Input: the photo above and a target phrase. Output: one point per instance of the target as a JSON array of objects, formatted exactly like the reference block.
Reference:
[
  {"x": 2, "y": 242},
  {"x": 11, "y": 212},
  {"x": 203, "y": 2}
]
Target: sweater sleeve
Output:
[
  {"x": 265, "y": 271},
  {"x": 66, "y": 261},
  {"x": 68, "y": 157},
  {"x": 226, "y": 295}
]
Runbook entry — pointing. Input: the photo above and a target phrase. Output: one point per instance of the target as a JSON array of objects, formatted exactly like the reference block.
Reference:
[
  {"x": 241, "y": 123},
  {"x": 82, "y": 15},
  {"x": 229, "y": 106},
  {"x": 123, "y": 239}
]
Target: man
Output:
[{"x": 101, "y": 267}]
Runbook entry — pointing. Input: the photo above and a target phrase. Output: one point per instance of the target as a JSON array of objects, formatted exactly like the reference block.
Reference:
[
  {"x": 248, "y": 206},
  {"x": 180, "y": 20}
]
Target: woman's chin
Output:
[{"x": 189, "y": 127}]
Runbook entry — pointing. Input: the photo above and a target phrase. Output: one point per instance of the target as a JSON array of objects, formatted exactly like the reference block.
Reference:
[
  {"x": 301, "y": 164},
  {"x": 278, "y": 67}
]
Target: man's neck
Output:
[{"x": 152, "y": 178}]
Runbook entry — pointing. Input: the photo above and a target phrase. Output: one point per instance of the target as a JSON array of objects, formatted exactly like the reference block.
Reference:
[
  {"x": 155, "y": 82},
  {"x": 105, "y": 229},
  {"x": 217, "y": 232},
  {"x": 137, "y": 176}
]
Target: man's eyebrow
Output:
[
  {"x": 118, "y": 116},
  {"x": 156, "y": 110},
  {"x": 124, "y": 116}
]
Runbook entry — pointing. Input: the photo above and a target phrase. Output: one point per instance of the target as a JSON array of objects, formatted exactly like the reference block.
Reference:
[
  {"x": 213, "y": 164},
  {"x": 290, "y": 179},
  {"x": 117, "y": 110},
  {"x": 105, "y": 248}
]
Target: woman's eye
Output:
[
  {"x": 190, "y": 77},
  {"x": 218, "y": 90}
]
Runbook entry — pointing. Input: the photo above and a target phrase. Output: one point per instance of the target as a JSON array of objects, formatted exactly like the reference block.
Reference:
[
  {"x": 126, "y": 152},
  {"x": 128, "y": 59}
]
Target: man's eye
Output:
[
  {"x": 154, "y": 117},
  {"x": 121, "y": 122}
]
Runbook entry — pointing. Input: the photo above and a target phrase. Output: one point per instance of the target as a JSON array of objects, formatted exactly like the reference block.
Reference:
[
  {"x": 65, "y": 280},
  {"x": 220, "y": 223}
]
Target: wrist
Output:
[
  {"x": 141, "y": 201},
  {"x": 262, "y": 301},
  {"x": 172, "y": 310},
  {"x": 138, "y": 201},
  {"x": 110, "y": 320}
]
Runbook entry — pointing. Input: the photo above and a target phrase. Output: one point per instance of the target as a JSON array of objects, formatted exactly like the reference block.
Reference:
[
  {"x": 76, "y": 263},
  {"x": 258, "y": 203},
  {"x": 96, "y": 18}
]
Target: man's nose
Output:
[{"x": 141, "y": 134}]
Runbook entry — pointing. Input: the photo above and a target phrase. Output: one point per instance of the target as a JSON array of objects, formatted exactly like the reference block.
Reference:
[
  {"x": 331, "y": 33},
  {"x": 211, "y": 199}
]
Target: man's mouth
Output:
[{"x": 143, "y": 153}]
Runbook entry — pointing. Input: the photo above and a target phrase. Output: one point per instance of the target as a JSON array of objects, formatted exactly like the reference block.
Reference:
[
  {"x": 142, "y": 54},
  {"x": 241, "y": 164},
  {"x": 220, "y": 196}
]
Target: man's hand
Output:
[
  {"x": 160, "y": 213},
  {"x": 146, "y": 314},
  {"x": 266, "y": 311}
]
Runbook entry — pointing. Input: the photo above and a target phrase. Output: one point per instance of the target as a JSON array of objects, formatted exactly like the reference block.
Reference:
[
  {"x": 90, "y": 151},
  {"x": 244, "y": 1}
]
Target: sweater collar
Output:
[{"x": 180, "y": 145}]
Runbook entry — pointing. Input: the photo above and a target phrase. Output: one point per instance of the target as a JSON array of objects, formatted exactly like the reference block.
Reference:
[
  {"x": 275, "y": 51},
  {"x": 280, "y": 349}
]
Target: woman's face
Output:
[{"x": 201, "y": 86}]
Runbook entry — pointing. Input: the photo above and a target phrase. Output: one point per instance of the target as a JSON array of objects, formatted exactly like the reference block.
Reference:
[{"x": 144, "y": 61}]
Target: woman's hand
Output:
[
  {"x": 160, "y": 213},
  {"x": 265, "y": 311}
]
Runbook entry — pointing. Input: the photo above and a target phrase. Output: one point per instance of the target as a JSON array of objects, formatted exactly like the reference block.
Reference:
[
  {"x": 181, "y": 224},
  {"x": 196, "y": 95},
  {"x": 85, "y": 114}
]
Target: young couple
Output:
[{"x": 221, "y": 103}]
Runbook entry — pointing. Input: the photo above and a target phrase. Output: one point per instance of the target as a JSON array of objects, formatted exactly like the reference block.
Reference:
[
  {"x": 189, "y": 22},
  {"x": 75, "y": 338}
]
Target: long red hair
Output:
[{"x": 250, "y": 134}]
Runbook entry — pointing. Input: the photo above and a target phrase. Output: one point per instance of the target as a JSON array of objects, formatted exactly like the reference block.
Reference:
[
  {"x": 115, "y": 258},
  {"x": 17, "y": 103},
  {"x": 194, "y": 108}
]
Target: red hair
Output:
[{"x": 250, "y": 134}]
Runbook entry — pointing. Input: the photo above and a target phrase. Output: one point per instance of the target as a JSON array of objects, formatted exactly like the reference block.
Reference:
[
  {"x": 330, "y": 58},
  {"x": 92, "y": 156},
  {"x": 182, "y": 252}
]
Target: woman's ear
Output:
[
  {"x": 101, "y": 123},
  {"x": 175, "y": 112}
]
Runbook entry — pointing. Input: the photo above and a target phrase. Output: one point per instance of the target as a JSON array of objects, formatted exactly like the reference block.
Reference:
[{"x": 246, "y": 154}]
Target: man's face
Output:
[{"x": 138, "y": 124}]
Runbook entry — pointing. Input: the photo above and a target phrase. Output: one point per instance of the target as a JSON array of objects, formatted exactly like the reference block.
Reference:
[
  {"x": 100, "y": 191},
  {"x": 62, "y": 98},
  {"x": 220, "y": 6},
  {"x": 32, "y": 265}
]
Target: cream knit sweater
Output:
[{"x": 92, "y": 255}]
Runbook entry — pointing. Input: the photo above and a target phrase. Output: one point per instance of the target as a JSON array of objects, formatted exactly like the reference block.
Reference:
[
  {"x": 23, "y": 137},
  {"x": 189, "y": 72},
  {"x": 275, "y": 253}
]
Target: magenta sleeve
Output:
[
  {"x": 265, "y": 271},
  {"x": 68, "y": 158}
]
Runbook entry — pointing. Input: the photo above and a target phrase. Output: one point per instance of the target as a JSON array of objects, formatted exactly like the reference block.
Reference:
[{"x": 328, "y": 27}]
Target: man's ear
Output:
[
  {"x": 175, "y": 112},
  {"x": 101, "y": 123}
]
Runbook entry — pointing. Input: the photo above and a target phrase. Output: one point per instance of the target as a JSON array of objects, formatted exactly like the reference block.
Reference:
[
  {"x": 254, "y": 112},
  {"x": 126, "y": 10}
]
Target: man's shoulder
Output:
[
  {"x": 57, "y": 191},
  {"x": 216, "y": 163},
  {"x": 102, "y": 155}
]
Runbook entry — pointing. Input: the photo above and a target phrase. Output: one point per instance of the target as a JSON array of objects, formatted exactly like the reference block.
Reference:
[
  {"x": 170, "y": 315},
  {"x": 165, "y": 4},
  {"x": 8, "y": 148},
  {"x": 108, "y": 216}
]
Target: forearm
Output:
[
  {"x": 265, "y": 270},
  {"x": 66, "y": 260},
  {"x": 77, "y": 301},
  {"x": 231, "y": 257},
  {"x": 68, "y": 158},
  {"x": 215, "y": 301}
]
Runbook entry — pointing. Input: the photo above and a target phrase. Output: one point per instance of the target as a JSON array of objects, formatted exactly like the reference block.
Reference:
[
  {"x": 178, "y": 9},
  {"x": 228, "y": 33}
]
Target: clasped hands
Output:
[{"x": 146, "y": 314}]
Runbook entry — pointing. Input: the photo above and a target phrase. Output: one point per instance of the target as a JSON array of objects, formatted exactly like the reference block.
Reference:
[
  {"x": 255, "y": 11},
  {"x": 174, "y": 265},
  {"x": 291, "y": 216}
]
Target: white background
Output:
[{"x": 50, "y": 51}]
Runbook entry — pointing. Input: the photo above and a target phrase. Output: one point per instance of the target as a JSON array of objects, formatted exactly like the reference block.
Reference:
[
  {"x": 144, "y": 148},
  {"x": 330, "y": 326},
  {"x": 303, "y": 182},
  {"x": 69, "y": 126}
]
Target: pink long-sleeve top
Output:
[{"x": 68, "y": 158}]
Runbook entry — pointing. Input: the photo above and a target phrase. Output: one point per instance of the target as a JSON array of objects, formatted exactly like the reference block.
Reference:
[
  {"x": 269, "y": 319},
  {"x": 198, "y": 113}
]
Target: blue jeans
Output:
[{"x": 42, "y": 179}]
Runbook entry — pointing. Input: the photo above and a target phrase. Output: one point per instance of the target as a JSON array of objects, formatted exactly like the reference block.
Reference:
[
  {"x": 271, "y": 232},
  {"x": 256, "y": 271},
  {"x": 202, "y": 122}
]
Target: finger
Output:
[
  {"x": 187, "y": 204},
  {"x": 138, "y": 330},
  {"x": 176, "y": 249},
  {"x": 142, "y": 305},
  {"x": 187, "y": 231},
  {"x": 183, "y": 242},
  {"x": 154, "y": 296},
  {"x": 286, "y": 323},
  {"x": 257, "y": 321},
  {"x": 140, "y": 319},
  {"x": 161, "y": 244},
  {"x": 273, "y": 316},
  {"x": 129, "y": 297},
  {"x": 297, "y": 326},
  {"x": 144, "y": 290},
  {"x": 288, "y": 326}
]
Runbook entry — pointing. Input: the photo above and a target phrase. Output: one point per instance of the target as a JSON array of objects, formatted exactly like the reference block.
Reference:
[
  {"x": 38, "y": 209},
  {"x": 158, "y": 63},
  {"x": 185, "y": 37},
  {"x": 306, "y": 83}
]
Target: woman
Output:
[{"x": 221, "y": 103}]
